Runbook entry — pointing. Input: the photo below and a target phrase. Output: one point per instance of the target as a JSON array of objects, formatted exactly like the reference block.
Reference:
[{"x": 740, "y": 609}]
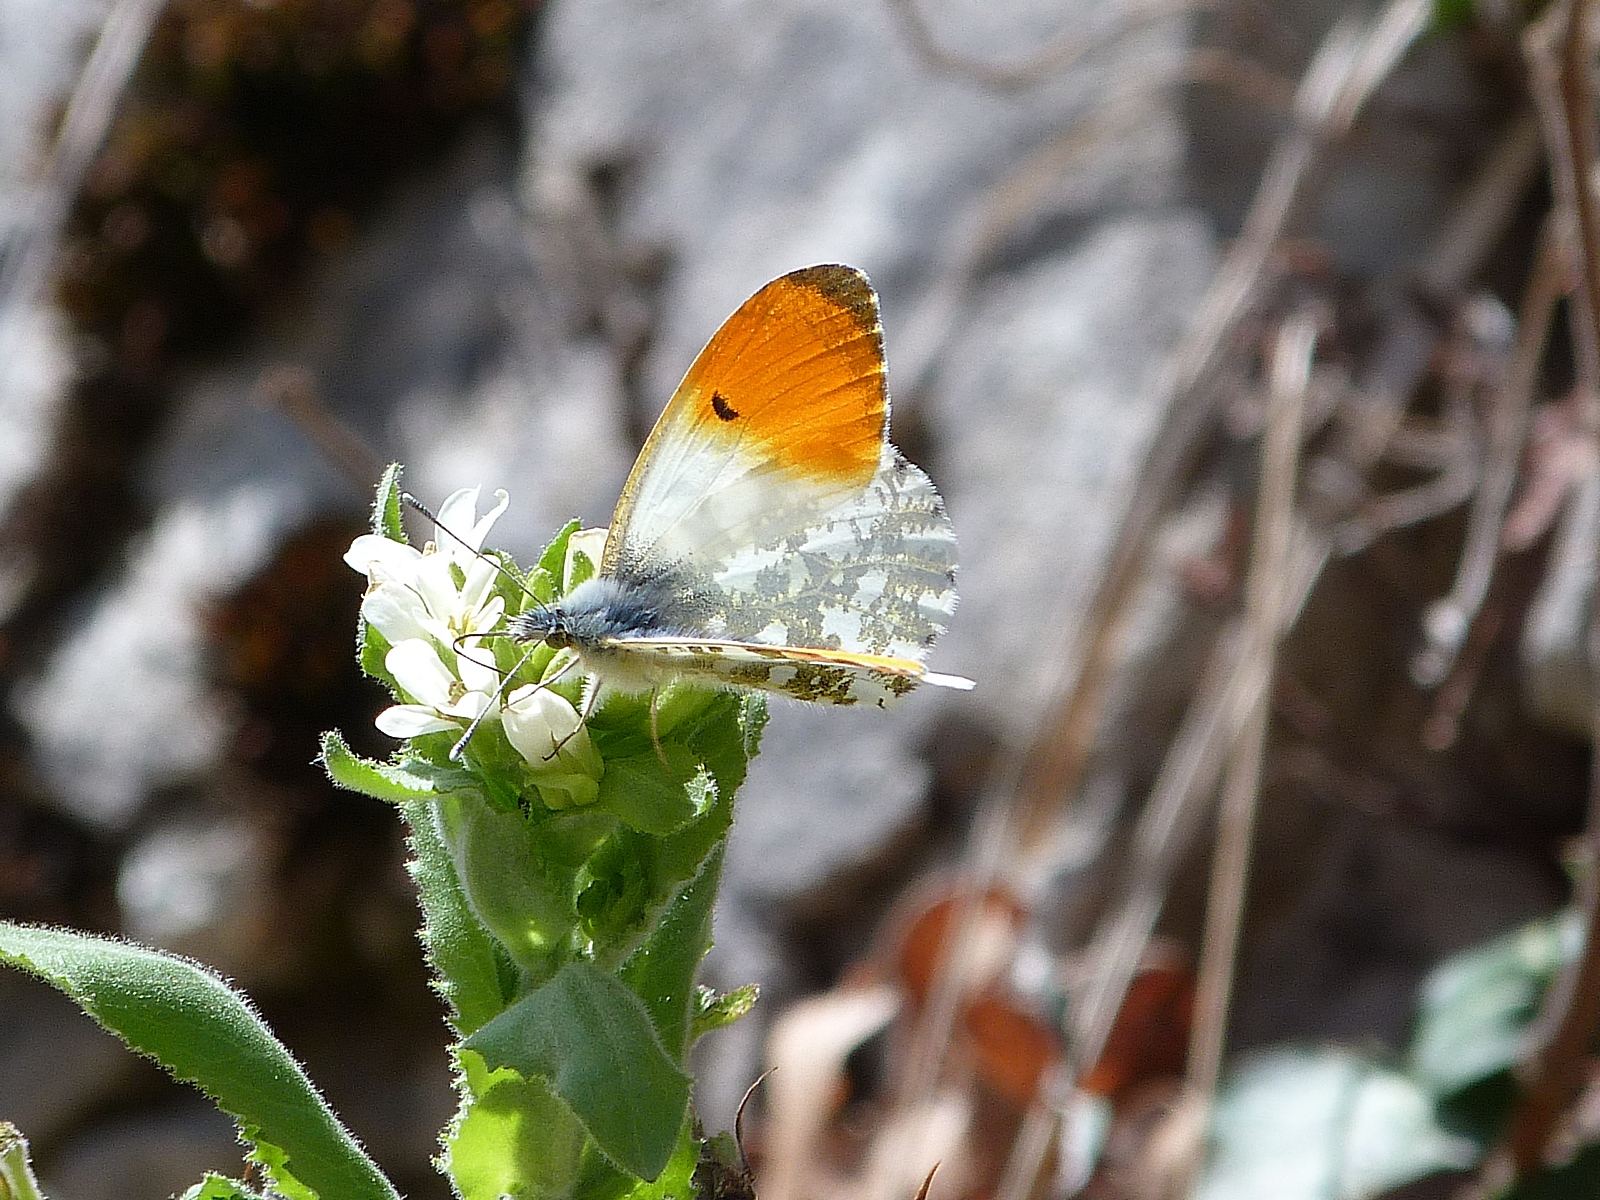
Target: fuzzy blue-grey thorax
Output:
[{"x": 607, "y": 608}]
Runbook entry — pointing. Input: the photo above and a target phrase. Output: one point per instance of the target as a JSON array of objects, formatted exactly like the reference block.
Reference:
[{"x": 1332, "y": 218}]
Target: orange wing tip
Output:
[
  {"x": 959, "y": 682},
  {"x": 845, "y": 286}
]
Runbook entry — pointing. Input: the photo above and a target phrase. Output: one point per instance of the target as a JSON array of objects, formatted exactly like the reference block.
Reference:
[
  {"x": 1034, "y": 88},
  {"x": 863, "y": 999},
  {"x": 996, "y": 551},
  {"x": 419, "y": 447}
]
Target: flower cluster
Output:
[{"x": 433, "y": 606}]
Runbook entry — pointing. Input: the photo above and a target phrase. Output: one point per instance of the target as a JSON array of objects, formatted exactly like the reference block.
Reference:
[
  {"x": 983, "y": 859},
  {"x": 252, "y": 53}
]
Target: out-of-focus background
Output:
[{"x": 255, "y": 249}]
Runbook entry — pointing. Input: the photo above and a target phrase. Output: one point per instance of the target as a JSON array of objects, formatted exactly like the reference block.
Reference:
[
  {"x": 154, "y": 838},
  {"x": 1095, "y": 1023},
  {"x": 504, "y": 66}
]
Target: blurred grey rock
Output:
[
  {"x": 182, "y": 879},
  {"x": 56, "y": 1065},
  {"x": 1043, "y": 414},
  {"x": 124, "y": 706},
  {"x": 431, "y": 340},
  {"x": 43, "y": 44}
]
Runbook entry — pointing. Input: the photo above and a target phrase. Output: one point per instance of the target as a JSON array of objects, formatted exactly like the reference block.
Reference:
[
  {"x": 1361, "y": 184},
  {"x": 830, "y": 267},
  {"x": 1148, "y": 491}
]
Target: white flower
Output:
[
  {"x": 546, "y": 730},
  {"x": 442, "y": 700},
  {"x": 430, "y": 620},
  {"x": 415, "y": 594}
]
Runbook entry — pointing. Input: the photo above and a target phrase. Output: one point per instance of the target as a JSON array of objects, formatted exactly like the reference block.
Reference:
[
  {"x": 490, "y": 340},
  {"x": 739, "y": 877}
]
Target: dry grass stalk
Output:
[
  {"x": 1291, "y": 375},
  {"x": 89, "y": 113},
  {"x": 1028, "y": 787}
]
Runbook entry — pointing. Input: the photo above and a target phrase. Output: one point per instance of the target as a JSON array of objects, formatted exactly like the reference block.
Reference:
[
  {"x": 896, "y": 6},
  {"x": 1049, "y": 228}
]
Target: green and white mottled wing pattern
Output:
[
  {"x": 817, "y": 676},
  {"x": 875, "y": 575}
]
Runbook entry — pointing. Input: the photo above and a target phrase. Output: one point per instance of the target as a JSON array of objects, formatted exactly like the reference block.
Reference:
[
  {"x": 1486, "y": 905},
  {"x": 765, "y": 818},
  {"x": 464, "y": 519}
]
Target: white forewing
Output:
[{"x": 701, "y": 498}]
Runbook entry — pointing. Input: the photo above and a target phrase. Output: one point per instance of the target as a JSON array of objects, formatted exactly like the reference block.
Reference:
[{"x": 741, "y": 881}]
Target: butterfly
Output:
[{"x": 769, "y": 535}]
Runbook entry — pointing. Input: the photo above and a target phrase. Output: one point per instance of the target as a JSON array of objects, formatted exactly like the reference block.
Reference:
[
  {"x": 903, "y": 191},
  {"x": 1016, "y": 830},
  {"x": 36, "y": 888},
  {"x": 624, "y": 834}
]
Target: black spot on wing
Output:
[{"x": 724, "y": 410}]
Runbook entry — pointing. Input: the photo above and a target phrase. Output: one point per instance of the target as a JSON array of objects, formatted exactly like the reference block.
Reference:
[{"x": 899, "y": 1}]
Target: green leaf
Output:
[
  {"x": 581, "y": 571},
  {"x": 386, "y": 505},
  {"x": 516, "y": 890},
  {"x": 216, "y": 1187},
  {"x": 1475, "y": 1008},
  {"x": 371, "y": 646},
  {"x": 512, "y": 1137},
  {"x": 463, "y": 955},
  {"x": 713, "y": 1011},
  {"x": 678, "y": 1178},
  {"x": 591, "y": 1039},
  {"x": 553, "y": 562},
  {"x": 1324, "y": 1125},
  {"x": 205, "y": 1033},
  {"x": 397, "y": 783},
  {"x": 634, "y": 876},
  {"x": 661, "y": 971},
  {"x": 17, "y": 1181},
  {"x": 653, "y": 797}
]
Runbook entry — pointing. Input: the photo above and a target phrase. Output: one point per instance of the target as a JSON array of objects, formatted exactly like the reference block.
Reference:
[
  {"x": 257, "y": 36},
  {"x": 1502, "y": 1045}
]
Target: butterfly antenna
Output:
[
  {"x": 455, "y": 646},
  {"x": 411, "y": 501}
]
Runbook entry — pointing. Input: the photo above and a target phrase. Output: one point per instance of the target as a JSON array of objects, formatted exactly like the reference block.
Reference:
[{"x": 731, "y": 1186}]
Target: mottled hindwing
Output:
[
  {"x": 819, "y": 676},
  {"x": 782, "y": 417},
  {"x": 875, "y": 575}
]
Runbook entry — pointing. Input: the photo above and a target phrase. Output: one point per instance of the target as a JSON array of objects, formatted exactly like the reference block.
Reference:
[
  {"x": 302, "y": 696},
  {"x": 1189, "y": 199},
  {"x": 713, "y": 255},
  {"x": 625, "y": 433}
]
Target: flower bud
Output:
[{"x": 545, "y": 729}]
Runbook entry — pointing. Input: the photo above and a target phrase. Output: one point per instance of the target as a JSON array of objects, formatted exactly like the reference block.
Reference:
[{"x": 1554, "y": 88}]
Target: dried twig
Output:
[
  {"x": 83, "y": 131},
  {"x": 1021, "y": 194},
  {"x": 1041, "y": 64},
  {"x": 1290, "y": 376},
  {"x": 1347, "y": 69},
  {"x": 1027, "y": 788},
  {"x": 1448, "y": 621},
  {"x": 1481, "y": 214},
  {"x": 292, "y": 390},
  {"x": 1193, "y": 762}
]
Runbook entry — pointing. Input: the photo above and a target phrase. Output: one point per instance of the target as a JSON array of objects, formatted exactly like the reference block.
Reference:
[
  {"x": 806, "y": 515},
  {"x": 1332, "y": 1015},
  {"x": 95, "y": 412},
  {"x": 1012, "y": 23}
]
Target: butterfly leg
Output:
[
  {"x": 591, "y": 701},
  {"x": 460, "y": 747},
  {"x": 655, "y": 730}
]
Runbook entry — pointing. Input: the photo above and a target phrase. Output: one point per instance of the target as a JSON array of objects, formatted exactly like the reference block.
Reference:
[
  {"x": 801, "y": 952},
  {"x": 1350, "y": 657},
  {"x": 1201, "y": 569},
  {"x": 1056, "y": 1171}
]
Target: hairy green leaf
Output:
[
  {"x": 512, "y": 1137},
  {"x": 386, "y": 505},
  {"x": 410, "y": 780},
  {"x": 652, "y": 796},
  {"x": 205, "y": 1033},
  {"x": 553, "y": 562},
  {"x": 514, "y": 887},
  {"x": 661, "y": 971},
  {"x": 17, "y": 1181},
  {"x": 464, "y": 957},
  {"x": 217, "y": 1187},
  {"x": 713, "y": 1011},
  {"x": 591, "y": 1039}
]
